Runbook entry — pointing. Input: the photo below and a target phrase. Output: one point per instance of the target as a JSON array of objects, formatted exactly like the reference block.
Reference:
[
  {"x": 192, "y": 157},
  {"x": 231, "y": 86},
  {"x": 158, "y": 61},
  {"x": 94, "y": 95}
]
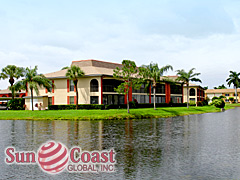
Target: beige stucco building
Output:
[
  {"x": 210, "y": 93},
  {"x": 97, "y": 87},
  {"x": 196, "y": 93}
]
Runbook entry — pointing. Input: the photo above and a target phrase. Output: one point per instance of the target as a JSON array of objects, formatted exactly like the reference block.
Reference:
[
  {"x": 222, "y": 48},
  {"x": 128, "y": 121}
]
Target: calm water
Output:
[{"x": 191, "y": 147}]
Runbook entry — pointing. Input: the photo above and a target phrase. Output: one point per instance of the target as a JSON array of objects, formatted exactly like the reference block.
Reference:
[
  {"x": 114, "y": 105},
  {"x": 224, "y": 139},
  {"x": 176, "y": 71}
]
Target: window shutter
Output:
[
  {"x": 68, "y": 85},
  {"x": 52, "y": 86}
]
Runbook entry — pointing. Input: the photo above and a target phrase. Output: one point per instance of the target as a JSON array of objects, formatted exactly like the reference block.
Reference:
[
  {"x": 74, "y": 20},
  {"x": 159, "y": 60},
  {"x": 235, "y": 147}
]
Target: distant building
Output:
[
  {"x": 6, "y": 95},
  {"x": 210, "y": 93}
]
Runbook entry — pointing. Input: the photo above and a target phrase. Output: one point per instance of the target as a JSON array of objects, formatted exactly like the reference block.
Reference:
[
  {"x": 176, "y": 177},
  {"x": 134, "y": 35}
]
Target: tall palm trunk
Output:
[
  {"x": 236, "y": 95},
  {"x": 32, "y": 99},
  {"x": 154, "y": 97},
  {"x": 11, "y": 81},
  {"x": 127, "y": 102},
  {"x": 76, "y": 94},
  {"x": 187, "y": 96}
]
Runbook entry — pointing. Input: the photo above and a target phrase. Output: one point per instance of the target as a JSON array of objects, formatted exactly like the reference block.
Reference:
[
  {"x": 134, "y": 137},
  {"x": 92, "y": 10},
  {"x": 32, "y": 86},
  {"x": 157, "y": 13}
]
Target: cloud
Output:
[{"x": 201, "y": 34}]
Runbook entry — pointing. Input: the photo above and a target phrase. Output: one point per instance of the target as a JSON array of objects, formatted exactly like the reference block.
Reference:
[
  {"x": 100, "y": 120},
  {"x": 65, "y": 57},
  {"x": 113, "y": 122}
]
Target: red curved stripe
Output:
[
  {"x": 54, "y": 161},
  {"x": 46, "y": 148},
  {"x": 57, "y": 167},
  {"x": 40, "y": 155}
]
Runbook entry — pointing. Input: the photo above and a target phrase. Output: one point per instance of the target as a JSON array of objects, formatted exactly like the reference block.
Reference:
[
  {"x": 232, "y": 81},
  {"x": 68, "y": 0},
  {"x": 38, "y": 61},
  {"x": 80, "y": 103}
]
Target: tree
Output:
[
  {"x": 219, "y": 103},
  {"x": 66, "y": 67},
  {"x": 231, "y": 99},
  {"x": 74, "y": 73},
  {"x": 234, "y": 79},
  {"x": 222, "y": 97},
  {"x": 220, "y": 87},
  {"x": 187, "y": 77},
  {"x": 214, "y": 98},
  {"x": 33, "y": 81},
  {"x": 153, "y": 74},
  {"x": 12, "y": 72},
  {"x": 129, "y": 74}
]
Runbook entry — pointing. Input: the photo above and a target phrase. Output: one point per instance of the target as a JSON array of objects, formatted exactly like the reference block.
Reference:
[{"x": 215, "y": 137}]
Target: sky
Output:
[{"x": 201, "y": 34}]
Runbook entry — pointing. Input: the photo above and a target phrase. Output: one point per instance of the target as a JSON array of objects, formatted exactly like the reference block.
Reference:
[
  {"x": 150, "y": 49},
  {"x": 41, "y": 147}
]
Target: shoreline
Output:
[{"x": 112, "y": 114}]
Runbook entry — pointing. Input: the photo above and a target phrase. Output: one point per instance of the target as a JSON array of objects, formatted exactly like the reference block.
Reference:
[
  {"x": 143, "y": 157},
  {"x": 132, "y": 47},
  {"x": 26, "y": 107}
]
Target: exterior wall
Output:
[
  {"x": 38, "y": 100},
  {"x": 84, "y": 90},
  {"x": 211, "y": 95},
  {"x": 28, "y": 104},
  {"x": 60, "y": 92},
  {"x": 199, "y": 94}
]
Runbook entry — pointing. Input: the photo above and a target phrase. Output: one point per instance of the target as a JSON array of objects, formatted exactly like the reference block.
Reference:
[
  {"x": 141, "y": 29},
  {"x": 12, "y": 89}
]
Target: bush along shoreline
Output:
[{"x": 114, "y": 106}]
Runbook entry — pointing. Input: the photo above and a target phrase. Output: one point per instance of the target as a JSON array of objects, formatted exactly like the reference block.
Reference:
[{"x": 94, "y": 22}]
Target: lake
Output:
[{"x": 205, "y": 146}]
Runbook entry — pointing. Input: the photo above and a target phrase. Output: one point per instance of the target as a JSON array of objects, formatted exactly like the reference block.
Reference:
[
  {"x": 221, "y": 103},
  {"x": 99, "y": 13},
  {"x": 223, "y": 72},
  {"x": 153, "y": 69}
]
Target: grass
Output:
[{"x": 108, "y": 114}]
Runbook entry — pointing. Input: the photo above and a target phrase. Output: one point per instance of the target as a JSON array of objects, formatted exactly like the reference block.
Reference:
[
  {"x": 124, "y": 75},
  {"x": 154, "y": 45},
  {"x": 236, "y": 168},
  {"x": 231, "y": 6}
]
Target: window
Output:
[
  {"x": 176, "y": 99},
  {"x": 226, "y": 95},
  {"x": 94, "y": 100},
  {"x": 110, "y": 84},
  {"x": 142, "y": 89},
  {"x": 160, "y": 88},
  {"x": 192, "y": 92},
  {"x": 49, "y": 100},
  {"x": 71, "y": 100},
  {"x": 159, "y": 99},
  {"x": 113, "y": 99},
  {"x": 176, "y": 89},
  {"x": 94, "y": 86},
  {"x": 71, "y": 84}
]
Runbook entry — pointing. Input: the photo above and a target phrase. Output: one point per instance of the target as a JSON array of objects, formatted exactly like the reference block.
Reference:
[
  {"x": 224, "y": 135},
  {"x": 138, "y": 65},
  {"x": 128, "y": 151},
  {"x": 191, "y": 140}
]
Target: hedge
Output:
[
  {"x": 73, "y": 106},
  {"x": 16, "y": 104},
  {"x": 114, "y": 106}
]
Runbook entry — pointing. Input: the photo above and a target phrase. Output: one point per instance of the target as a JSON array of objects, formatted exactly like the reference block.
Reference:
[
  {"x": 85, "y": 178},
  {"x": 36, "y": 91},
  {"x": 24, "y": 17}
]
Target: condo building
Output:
[
  {"x": 97, "y": 87},
  {"x": 196, "y": 93},
  {"x": 210, "y": 93}
]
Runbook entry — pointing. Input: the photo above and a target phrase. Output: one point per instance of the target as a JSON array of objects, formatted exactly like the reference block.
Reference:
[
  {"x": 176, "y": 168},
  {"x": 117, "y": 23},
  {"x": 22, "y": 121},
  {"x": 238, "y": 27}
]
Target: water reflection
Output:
[{"x": 190, "y": 147}]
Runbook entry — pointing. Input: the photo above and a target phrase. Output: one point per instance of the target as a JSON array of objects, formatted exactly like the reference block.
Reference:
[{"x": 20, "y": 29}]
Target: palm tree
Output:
[
  {"x": 74, "y": 73},
  {"x": 33, "y": 81},
  {"x": 10, "y": 72},
  {"x": 186, "y": 77},
  {"x": 153, "y": 74},
  {"x": 234, "y": 79}
]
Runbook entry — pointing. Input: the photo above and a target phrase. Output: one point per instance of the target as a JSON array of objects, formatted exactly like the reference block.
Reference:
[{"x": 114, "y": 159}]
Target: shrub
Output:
[
  {"x": 214, "y": 98},
  {"x": 205, "y": 102},
  {"x": 114, "y": 106},
  {"x": 231, "y": 99},
  {"x": 199, "y": 103},
  {"x": 16, "y": 104},
  {"x": 219, "y": 103},
  {"x": 222, "y": 97},
  {"x": 192, "y": 103},
  {"x": 133, "y": 104},
  {"x": 73, "y": 106}
]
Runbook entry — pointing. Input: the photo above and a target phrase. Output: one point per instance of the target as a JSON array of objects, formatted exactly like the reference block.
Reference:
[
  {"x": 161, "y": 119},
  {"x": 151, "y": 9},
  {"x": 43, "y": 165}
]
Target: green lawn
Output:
[{"x": 107, "y": 114}]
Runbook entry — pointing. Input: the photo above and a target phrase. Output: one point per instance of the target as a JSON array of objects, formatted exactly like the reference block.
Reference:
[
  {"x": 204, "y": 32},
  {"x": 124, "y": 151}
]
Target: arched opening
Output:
[
  {"x": 94, "y": 85},
  {"x": 192, "y": 92}
]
